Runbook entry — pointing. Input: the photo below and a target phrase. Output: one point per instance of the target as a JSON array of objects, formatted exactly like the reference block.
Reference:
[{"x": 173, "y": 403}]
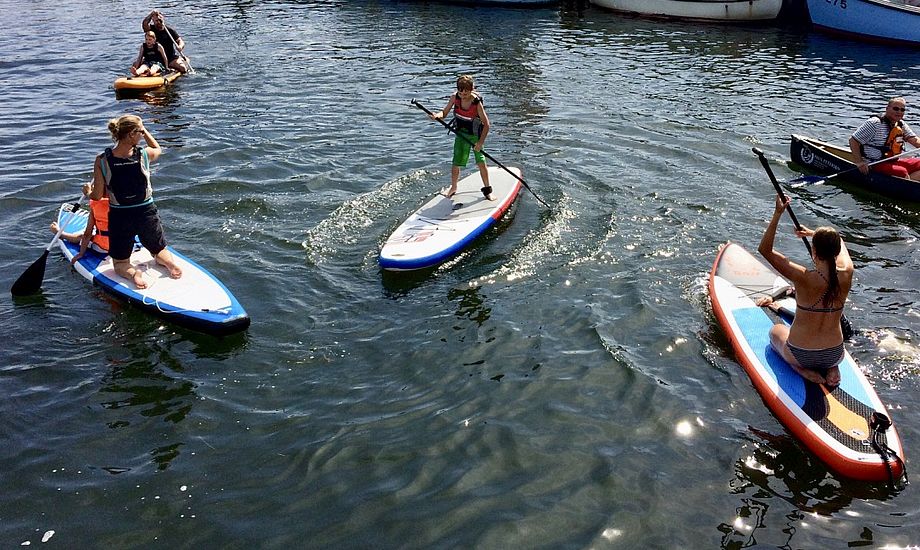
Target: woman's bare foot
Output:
[
  {"x": 833, "y": 377},
  {"x": 451, "y": 191},
  {"x": 809, "y": 374},
  {"x": 167, "y": 260},
  {"x": 138, "y": 279}
]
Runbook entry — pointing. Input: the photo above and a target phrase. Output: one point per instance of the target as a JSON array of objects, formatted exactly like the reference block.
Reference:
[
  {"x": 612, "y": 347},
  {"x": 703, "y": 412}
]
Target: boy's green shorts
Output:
[{"x": 462, "y": 146}]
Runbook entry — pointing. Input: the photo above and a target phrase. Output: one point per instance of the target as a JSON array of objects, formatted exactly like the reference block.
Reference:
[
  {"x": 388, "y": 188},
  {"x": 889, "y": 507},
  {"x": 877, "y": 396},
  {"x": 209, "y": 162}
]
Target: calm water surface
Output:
[{"x": 561, "y": 385}]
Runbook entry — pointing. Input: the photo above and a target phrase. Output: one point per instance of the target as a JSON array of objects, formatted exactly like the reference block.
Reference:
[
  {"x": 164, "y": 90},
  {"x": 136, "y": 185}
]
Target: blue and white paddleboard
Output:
[
  {"x": 444, "y": 227},
  {"x": 196, "y": 300},
  {"x": 834, "y": 423}
]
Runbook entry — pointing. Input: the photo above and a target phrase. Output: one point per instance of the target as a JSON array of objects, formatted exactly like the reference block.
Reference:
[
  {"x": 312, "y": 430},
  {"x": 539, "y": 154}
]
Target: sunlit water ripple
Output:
[{"x": 562, "y": 384}]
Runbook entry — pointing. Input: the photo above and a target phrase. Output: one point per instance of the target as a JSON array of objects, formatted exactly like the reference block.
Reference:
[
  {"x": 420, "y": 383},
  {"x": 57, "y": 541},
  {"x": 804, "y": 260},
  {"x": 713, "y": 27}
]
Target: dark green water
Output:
[{"x": 561, "y": 385}]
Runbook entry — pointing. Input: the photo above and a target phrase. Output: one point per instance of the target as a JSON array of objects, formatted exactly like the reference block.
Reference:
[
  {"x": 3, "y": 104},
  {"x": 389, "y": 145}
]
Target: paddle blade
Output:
[
  {"x": 807, "y": 180},
  {"x": 31, "y": 279},
  {"x": 804, "y": 180}
]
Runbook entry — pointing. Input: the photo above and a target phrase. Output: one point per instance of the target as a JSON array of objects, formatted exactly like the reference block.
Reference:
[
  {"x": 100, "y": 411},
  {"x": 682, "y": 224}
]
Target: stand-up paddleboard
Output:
[
  {"x": 196, "y": 300},
  {"x": 443, "y": 227},
  {"x": 141, "y": 83},
  {"x": 842, "y": 425}
]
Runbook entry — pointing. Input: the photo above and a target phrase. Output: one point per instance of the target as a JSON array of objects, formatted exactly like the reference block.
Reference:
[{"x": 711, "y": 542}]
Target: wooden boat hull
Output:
[
  {"x": 826, "y": 159},
  {"x": 727, "y": 10},
  {"x": 873, "y": 20}
]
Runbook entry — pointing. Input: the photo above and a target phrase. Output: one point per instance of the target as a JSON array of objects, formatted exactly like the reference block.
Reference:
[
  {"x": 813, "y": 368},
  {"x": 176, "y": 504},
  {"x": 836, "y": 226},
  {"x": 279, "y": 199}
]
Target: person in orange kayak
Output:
[
  {"x": 813, "y": 345},
  {"x": 96, "y": 235},
  {"x": 151, "y": 59},
  {"x": 471, "y": 124},
  {"x": 169, "y": 38}
]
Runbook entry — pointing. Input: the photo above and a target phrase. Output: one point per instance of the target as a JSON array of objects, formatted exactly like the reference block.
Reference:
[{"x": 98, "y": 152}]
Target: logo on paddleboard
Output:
[{"x": 808, "y": 156}]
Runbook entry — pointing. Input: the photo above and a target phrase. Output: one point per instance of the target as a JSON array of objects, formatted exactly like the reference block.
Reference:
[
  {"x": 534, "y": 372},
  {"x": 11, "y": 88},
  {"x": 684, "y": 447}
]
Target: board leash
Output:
[{"x": 879, "y": 424}]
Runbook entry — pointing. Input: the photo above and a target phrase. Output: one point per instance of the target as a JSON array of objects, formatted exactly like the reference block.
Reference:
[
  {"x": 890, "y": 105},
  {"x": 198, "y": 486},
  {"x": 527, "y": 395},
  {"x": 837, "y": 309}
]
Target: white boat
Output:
[{"x": 723, "y": 10}]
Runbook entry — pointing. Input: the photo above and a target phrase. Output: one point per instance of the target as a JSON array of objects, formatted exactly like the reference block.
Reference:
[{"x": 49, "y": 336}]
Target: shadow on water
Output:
[
  {"x": 165, "y": 97},
  {"x": 205, "y": 346},
  {"x": 470, "y": 304},
  {"x": 398, "y": 284},
  {"x": 144, "y": 386},
  {"x": 780, "y": 468}
]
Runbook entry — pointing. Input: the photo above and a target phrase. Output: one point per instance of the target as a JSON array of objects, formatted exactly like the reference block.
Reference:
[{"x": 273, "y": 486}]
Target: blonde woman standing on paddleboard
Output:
[
  {"x": 813, "y": 345},
  {"x": 122, "y": 173}
]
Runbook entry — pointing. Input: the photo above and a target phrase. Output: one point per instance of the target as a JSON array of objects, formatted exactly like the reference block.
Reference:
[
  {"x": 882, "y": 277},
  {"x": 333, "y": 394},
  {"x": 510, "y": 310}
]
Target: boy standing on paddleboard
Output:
[{"x": 471, "y": 124}]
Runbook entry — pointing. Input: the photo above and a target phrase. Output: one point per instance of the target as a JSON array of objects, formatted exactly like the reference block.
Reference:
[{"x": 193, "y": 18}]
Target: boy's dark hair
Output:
[{"x": 465, "y": 82}]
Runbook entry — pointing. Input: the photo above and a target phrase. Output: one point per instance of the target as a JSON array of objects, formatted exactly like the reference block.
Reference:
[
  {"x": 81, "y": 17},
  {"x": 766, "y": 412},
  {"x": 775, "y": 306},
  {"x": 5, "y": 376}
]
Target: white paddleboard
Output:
[
  {"x": 443, "y": 227},
  {"x": 196, "y": 300}
]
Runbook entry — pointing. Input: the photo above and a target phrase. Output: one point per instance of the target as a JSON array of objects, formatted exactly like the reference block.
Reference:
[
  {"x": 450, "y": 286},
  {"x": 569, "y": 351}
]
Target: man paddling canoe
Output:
[{"x": 883, "y": 136}]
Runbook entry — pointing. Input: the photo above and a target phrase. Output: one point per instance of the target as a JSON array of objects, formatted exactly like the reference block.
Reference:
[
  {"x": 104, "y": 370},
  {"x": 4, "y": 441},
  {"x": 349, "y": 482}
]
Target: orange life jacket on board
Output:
[{"x": 100, "y": 210}]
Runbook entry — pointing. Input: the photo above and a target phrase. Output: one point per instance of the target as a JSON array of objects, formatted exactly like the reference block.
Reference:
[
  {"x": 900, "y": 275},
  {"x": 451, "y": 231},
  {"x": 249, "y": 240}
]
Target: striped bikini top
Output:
[{"x": 814, "y": 308}]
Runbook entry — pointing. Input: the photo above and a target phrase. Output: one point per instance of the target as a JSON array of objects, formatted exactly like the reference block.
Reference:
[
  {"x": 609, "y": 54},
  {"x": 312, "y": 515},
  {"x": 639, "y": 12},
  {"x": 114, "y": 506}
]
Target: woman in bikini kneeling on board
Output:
[{"x": 813, "y": 345}]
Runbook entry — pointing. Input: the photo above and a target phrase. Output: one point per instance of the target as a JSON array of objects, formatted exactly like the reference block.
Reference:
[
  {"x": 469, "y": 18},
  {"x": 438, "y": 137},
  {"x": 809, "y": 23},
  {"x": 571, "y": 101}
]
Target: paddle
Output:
[
  {"x": 845, "y": 326},
  {"x": 176, "y": 49},
  {"x": 31, "y": 279},
  {"x": 818, "y": 180},
  {"x": 487, "y": 155}
]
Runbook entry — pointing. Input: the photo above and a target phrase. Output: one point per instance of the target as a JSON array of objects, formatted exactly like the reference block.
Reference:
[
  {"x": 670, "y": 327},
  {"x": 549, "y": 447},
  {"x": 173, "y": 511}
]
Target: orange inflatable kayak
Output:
[{"x": 140, "y": 83}]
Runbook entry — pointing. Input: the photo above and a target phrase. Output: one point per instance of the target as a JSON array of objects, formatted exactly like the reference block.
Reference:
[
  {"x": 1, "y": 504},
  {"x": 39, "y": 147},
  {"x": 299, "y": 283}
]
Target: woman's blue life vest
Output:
[
  {"x": 467, "y": 119},
  {"x": 127, "y": 180}
]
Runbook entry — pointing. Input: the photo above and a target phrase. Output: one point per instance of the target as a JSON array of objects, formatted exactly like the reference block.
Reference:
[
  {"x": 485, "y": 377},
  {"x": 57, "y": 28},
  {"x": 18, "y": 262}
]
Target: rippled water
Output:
[{"x": 562, "y": 384}]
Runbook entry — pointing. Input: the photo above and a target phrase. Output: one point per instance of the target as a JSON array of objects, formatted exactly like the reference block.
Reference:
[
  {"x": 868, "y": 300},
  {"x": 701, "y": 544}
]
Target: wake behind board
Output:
[
  {"x": 196, "y": 300},
  {"x": 142, "y": 83},
  {"x": 443, "y": 227},
  {"x": 833, "y": 423}
]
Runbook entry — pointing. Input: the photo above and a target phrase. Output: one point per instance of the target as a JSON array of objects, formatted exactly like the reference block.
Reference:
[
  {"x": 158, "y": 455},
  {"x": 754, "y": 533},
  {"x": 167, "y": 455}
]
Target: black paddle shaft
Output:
[
  {"x": 31, "y": 279},
  {"x": 487, "y": 155},
  {"x": 845, "y": 325},
  {"x": 782, "y": 196}
]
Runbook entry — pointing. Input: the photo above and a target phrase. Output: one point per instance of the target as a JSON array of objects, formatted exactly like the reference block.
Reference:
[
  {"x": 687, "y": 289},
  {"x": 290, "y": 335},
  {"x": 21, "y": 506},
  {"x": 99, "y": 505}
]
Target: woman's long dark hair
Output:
[{"x": 826, "y": 242}]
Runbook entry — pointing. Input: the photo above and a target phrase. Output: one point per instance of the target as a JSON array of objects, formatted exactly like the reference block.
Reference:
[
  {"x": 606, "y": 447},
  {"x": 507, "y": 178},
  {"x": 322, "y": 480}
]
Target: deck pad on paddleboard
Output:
[
  {"x": 443, "y": 227},
  {"x": 196, "y": 300},
  {"x": 834, "y": 423}
]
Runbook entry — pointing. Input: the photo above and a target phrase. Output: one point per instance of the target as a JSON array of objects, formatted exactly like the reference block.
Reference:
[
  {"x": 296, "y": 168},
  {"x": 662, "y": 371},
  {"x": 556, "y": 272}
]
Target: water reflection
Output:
[
  {"x": 144, "y": 386},
  {"x": 778, "y": 467},
  {"x": 470, "y": 304},
  {"x": 398, "y": 284},
  {"x": 166, "y": 97}
]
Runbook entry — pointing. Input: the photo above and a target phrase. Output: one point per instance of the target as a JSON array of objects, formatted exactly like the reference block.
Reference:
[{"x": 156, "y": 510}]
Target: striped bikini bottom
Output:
[{"x": 817, "y": 359}]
